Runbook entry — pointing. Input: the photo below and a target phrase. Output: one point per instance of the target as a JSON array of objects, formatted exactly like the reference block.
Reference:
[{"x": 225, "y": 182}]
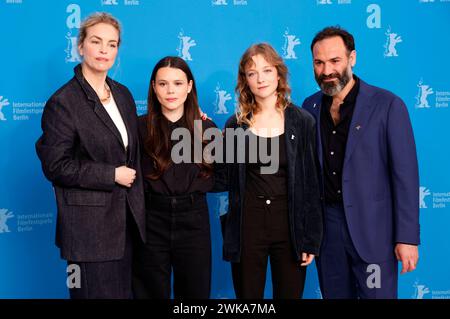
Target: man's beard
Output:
[{"x": 332, "y": 88}]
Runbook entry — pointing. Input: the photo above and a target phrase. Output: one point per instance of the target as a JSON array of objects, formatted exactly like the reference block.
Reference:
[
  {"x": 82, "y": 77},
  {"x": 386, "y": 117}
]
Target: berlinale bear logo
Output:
[
  {"x": 424, "y": 192},
  {"x": 3, "y": 102},
  {"x": 185, "y": 44},
  {"x": 290, "y": 42},
  {"x": 4, "y": 216},
  {"x": 391, "y": 42},
  {"x": 109, "y": 2},
  {"x": 422, "y": 95},
  {"x": 222, "y": 97}
]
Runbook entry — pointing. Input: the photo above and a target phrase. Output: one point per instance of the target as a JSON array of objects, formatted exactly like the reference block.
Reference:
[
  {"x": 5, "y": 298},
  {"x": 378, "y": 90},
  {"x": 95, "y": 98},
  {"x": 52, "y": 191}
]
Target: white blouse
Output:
[{"x": 114, "y": 113}]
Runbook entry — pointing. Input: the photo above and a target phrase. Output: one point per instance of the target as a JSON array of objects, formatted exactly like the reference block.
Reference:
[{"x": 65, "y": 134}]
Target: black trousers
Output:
[
  {"x": 108, "y": 279},
  {"x": 265, "y": 235},
  {"x": 178, "y": 241}
]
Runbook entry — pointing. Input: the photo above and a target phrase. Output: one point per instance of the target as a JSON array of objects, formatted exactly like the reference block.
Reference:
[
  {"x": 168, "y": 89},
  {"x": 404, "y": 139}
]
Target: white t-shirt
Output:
[{"x": 114, "y": 113}]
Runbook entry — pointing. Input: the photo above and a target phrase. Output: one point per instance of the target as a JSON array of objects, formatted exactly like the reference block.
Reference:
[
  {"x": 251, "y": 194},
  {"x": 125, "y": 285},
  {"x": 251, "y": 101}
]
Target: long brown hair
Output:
[
  {"x": 247, "y": 101},
  {"x": 158, "y": 144}
]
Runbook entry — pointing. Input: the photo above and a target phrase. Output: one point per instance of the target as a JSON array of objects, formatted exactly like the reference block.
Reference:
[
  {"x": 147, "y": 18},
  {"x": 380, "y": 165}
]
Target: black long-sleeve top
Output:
[{"x": 180, "y": 178}]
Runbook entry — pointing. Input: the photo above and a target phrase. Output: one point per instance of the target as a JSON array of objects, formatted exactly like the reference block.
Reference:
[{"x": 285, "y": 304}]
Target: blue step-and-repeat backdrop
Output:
[{"x": 402, "y": 45}]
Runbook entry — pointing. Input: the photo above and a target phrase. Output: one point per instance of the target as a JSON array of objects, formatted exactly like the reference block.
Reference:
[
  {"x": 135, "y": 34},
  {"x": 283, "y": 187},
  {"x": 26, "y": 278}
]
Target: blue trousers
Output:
[{"x": 342, "y": 272}]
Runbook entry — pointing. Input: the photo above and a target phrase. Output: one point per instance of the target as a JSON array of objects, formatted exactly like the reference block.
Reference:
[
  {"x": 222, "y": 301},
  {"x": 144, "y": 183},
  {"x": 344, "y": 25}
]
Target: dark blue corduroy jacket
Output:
[{"x": 304, "y": 203}]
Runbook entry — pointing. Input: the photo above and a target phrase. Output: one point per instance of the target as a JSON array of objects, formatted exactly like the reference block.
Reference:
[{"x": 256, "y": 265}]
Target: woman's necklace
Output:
[{"x": 108, "y": 95}]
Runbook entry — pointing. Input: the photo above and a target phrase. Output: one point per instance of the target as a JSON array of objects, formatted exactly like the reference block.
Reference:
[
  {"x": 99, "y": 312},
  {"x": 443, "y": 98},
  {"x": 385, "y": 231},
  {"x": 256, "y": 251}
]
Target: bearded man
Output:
[{"x": 369, "y": 176}]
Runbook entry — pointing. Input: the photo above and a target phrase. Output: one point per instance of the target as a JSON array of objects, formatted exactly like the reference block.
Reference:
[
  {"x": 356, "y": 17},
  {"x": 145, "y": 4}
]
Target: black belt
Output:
[
  {"x": 268, "y": 199},
  {"x": 173, "y": 202},
  {"x": 272, "y": 197}
]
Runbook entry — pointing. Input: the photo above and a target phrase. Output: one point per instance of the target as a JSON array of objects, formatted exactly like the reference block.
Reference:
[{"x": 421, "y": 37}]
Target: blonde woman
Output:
[{"x": 89, "y": 151}]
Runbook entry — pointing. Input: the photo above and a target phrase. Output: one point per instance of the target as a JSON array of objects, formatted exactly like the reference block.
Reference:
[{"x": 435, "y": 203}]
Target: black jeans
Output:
[
  {"x": 265, "y": 234},
  {"x": 178, "y": 240}
]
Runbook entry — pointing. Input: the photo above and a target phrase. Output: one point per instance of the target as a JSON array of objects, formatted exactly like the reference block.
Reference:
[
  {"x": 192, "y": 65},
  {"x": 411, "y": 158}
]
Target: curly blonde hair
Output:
[{"x": 247, "y": 102}]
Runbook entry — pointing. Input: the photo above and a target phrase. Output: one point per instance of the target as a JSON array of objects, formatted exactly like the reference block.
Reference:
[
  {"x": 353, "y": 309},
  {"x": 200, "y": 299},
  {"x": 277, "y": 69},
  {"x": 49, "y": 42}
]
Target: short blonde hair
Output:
[{"x": 96, "y": 18}]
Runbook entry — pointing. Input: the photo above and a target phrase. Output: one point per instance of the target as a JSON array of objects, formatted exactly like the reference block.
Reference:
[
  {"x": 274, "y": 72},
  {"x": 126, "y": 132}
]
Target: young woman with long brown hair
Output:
[{"x": 178, "y": 232}]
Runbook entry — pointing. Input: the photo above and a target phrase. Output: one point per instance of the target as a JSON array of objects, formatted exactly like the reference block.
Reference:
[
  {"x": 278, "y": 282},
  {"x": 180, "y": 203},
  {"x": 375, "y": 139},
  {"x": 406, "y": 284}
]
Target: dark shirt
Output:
[
  {"x": 334, "y": 141},
  {"x": 266, "y": 184},
  {"x": 180, "y": 178}
]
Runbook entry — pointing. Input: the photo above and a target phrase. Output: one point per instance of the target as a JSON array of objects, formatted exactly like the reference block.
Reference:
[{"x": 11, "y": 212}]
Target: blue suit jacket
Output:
[{"x": 380, "y": 183}]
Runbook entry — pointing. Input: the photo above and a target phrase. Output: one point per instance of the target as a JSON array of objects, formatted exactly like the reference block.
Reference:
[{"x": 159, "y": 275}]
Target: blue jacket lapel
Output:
[{"x": 361, "y": 115}]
